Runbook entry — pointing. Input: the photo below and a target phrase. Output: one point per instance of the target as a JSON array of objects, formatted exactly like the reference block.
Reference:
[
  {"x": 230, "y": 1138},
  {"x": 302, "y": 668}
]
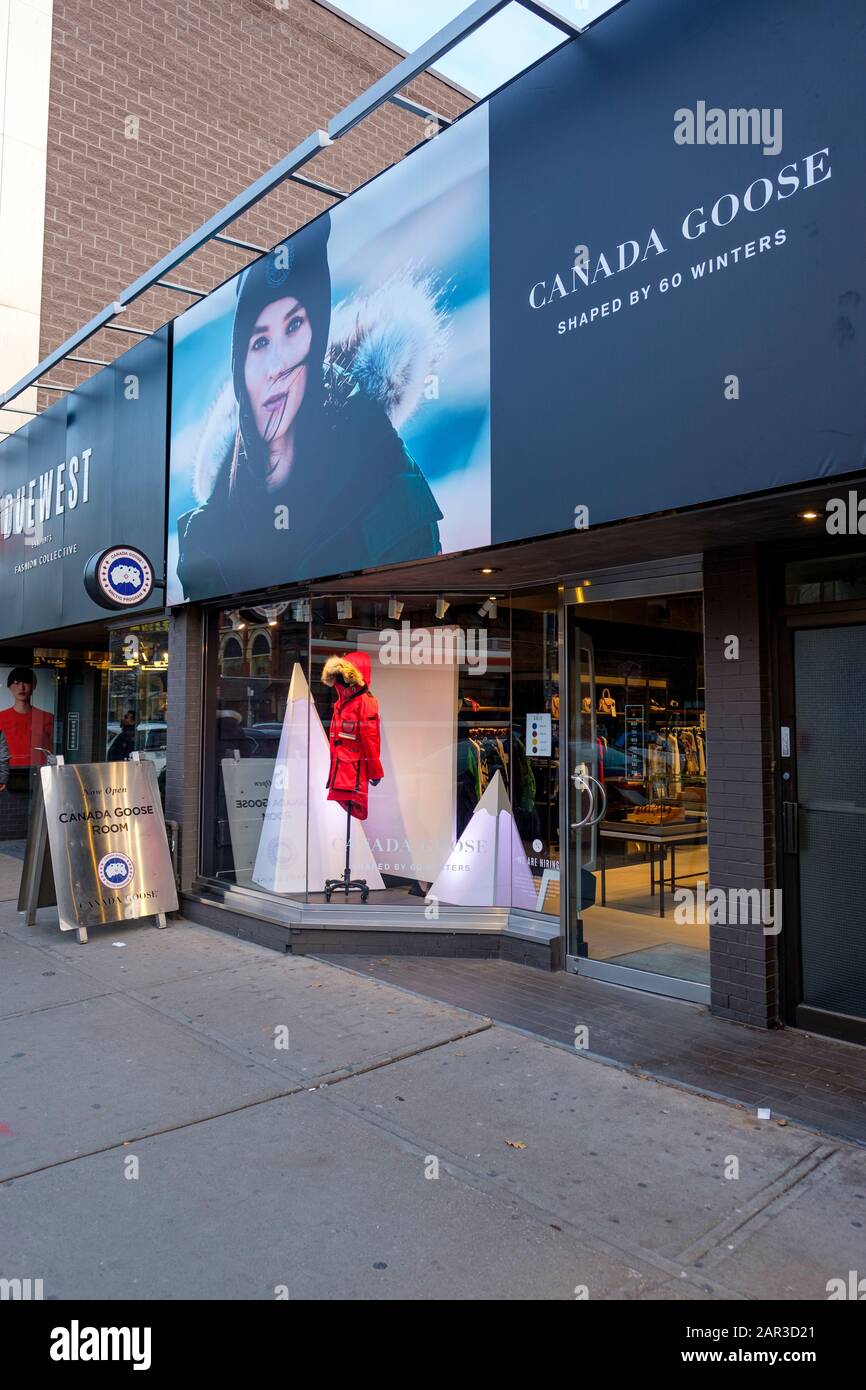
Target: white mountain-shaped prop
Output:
[
  {"x": 487, "y": 867},
  {"x": 284, "y": 864}
]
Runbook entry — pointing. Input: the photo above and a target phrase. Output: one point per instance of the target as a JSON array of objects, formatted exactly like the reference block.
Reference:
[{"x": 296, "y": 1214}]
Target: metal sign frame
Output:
[{"x": 38, "y": 887}]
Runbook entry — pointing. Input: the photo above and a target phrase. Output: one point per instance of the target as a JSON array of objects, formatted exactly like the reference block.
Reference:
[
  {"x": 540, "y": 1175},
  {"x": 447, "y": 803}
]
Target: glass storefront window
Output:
[
  {"x": 137, "y": 695},
  {"x": 54, "y": 703},
  {"x": 86, "y": 706},
  {"x": 258, "y": 674},
  {"x": 384, "y": 722},
  {"x": 536, "y": 751},
  {"x": 826, "y": 579}
]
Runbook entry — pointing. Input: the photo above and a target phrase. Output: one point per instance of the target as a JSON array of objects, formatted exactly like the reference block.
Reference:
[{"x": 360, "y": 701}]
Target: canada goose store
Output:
[
  {"x": 500, "y": 538},
  {"x": 514, "y": 561}
]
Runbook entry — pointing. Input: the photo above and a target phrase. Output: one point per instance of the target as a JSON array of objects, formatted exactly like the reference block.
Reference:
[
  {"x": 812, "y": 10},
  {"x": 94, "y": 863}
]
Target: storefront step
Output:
[{"x": 299, "y": 929}]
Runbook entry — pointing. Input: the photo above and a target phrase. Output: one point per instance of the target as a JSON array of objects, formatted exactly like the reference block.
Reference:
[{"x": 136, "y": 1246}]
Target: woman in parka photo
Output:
[{"x": 300, "y": 467}]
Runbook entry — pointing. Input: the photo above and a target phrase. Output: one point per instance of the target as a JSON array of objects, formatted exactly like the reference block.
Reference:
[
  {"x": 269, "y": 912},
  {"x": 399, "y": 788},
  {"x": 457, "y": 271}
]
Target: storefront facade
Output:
[
  {"x": 509, "y": 539},
  {"x": 687, "y": 744},
  {"x": 565, "y": 510}
]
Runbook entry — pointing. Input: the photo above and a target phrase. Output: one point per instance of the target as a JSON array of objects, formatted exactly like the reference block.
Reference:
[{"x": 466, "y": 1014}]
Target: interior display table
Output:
[{"x": 658, "y": 838}]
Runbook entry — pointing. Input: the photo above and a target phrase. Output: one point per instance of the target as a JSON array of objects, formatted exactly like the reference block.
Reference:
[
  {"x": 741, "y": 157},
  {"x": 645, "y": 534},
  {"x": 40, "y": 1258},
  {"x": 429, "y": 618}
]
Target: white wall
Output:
[{"x": 25, "y": 65}]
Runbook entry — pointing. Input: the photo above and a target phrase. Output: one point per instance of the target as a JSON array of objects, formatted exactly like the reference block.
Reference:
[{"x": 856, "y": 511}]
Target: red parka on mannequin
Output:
[{"x": 355, "y": 739}]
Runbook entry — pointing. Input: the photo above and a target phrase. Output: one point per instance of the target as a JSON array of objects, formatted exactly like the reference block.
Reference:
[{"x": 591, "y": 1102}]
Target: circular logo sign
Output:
[
  {"x": 119, "y": 577},
  {"x": 115, "y": 870}
]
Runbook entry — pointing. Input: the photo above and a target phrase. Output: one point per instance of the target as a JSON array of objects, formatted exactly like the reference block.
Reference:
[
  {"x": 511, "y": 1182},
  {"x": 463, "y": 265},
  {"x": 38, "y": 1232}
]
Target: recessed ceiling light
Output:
[
  {"x": 808, "y": 516},
  {"x": 487, "y": 569}
]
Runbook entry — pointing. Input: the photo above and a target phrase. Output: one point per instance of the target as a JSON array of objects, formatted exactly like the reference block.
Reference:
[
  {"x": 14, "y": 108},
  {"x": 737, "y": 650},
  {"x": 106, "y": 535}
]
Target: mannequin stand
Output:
[{"x": 347, "y": 883}]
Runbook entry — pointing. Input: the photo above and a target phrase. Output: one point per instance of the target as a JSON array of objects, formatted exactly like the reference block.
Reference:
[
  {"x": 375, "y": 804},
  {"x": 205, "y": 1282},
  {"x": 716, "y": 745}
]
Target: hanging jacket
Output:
[{"x": 354, "y": 734}]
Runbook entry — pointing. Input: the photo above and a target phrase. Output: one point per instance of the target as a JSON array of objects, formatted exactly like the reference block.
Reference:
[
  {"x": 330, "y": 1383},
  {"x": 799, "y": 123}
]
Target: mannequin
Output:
[{"x": 355, "y": 746}]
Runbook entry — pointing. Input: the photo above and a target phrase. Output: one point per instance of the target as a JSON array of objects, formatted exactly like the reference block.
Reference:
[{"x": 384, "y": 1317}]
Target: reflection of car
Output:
[
  {"x": 265, "y": 739},
  {"x": 265, "y": 730},
  {"x": 150, "y": 742}
]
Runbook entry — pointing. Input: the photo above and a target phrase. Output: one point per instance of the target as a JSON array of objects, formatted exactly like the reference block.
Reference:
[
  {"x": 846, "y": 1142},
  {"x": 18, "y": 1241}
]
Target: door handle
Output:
[
  {"x": 790, "y": 827},
  {"x": 585, "y": 782}
]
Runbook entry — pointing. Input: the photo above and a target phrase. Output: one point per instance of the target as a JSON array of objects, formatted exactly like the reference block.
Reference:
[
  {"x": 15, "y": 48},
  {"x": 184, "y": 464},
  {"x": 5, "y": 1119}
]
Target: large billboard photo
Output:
[{"x": 330, "y": 405}]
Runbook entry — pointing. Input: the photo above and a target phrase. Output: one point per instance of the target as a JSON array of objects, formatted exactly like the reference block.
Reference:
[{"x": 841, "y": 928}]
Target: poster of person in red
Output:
[{"x": 28, "y": 729}]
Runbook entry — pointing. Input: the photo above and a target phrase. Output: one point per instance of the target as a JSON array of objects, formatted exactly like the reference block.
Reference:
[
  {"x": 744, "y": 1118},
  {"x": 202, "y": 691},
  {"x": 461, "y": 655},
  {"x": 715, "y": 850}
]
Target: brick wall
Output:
[
  {"x": 740, "y": 791},
  {"x": 221, "y": 90}
]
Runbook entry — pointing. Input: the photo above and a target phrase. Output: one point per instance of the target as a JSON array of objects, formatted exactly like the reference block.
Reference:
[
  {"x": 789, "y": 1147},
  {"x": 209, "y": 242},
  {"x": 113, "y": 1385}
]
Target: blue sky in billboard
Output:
[{"x": 408, "y": 257}]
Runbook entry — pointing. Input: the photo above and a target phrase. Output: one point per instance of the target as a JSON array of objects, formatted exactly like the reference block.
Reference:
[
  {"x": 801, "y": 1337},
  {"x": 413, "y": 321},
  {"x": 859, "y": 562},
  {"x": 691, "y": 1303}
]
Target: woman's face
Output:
[
  {"x": 22, "y": 691},
  {"x": 275, "y": 370}
]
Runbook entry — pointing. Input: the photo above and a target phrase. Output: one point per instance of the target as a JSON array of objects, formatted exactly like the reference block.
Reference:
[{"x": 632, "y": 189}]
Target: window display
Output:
[
  {"x": 406, "y": 751},
  {"x": 389, "y": 735}
]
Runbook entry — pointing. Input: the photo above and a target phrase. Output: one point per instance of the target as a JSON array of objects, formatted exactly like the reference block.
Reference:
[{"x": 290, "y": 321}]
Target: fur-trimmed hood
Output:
[
  {"x": 385, "y": 344},
  {"x": 353, "y": 669}
]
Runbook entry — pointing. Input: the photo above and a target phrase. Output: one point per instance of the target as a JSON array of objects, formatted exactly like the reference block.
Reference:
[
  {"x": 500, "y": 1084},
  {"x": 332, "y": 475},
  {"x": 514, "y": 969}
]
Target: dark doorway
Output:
[{"x": 822, "y": 781}]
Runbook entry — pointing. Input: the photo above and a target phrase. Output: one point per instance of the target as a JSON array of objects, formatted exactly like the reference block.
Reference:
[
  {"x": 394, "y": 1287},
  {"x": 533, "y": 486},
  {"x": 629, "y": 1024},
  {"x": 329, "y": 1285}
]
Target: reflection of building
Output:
[{"x": 245, "y": 648}]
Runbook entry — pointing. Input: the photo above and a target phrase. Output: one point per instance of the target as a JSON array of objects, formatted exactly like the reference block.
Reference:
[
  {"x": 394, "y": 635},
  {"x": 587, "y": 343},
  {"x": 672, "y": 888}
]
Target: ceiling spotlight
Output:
[
  {"x": 487, "y": 569},
  {"x": 809, "y": 516},
  {"x": 344, "y": 609},
  {"x": 489, "y": 608},
  {"x": 442, "y": 606},
  {"x": 395, "y": 608}
]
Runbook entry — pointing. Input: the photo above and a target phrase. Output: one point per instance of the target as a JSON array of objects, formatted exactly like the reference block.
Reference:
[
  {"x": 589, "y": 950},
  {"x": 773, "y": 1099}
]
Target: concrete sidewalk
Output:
[{"x": 307, "y": 1169}]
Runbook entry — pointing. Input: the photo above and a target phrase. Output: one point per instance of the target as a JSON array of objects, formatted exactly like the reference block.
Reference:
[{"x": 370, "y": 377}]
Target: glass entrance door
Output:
[
  {"x": 635, "y": 793},
  {"x": 583, "y": 803},
  {"x": 823, "y": 771}
]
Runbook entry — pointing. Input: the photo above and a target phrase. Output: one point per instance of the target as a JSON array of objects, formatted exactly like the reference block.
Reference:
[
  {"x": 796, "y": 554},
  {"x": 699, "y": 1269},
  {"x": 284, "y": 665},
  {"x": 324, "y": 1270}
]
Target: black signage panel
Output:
[
  {"x": 678, "y": 291},
  {"x": 87, "y": 476}
]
